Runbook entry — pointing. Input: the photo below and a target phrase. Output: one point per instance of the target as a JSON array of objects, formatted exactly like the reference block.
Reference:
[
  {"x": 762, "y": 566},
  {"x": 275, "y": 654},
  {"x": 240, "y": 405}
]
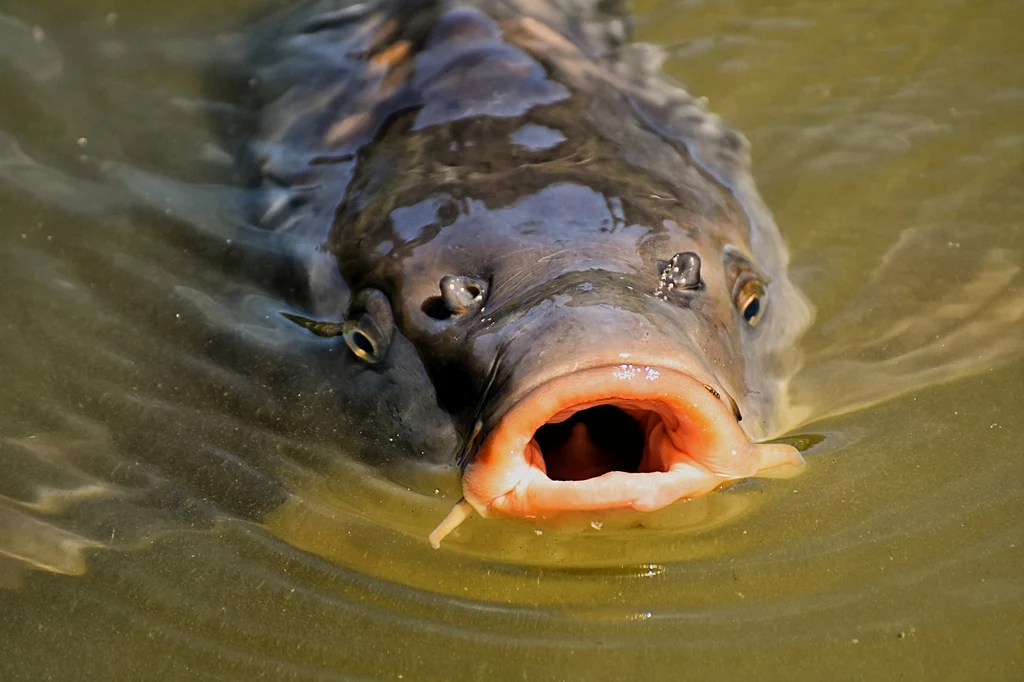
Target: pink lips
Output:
[{"x": 692, "y": 444}]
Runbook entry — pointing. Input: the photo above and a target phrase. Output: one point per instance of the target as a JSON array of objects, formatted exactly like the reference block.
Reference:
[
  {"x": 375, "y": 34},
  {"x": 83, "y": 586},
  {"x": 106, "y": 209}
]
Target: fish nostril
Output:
[
  {"x": 681, "y": 273},
  {"x": 461, "y": 293},
  {"x": 684, "y": 270}
]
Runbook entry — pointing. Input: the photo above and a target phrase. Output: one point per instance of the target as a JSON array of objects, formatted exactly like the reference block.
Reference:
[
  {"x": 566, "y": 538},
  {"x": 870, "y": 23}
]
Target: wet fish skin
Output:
[
  {"x": 286, "y": 401},
  {"x": 525, "y": 147}
]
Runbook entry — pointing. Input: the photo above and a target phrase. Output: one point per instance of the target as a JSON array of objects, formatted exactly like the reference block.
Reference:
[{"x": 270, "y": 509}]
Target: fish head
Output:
[
  {"x": 597, "y": 353},
  {"x": 573, "y": 247}
]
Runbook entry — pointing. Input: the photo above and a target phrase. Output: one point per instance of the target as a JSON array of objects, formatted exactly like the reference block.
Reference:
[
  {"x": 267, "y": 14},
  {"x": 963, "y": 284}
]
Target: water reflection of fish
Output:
[{"x": 572, "y": 245}]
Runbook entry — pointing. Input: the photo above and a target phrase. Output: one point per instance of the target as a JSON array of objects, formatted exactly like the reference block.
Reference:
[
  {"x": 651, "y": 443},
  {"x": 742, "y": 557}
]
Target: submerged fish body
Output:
[{"x": 565, "y": 243}]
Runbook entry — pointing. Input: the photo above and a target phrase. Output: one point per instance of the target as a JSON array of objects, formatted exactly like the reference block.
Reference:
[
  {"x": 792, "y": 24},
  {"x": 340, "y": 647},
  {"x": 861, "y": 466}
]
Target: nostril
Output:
[
  {"x": 682, "y": 273},
  {"x": 461, "y": 293},
  {"x": 434, "y": 307}
]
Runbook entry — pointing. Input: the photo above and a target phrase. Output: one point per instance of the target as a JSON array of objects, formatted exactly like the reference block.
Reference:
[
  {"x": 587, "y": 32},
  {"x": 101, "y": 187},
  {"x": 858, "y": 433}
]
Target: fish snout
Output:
[{"x": 604, "y": 407}]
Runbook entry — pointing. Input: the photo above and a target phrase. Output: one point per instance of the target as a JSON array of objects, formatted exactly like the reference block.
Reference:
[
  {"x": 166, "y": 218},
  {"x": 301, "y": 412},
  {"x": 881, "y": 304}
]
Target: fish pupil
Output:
[
  {"x": 752, "y": 309},
  {"x": 363, "y": 343}
]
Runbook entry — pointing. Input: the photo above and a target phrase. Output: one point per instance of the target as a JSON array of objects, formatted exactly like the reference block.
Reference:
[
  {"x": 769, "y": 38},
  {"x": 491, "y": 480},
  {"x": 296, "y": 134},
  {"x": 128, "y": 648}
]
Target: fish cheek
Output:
[
  {"x": 383, "y": 408},
  {"x": 719, "y": 334},
  {"x": 396, "y": 404}
]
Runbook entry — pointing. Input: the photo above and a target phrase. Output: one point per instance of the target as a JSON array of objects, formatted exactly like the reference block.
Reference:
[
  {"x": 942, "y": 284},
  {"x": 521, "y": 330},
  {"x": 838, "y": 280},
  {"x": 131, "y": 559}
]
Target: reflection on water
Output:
[{"x": 153, "y": 401}]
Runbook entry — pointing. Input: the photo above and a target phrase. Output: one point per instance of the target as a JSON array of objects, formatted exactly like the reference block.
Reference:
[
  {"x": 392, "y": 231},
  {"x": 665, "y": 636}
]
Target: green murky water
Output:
[{"x": 896, "y": 555}]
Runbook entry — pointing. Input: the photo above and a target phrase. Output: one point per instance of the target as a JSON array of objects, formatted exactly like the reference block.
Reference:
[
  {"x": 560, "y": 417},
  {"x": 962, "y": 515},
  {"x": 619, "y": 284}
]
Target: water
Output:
[{"x": 170, "y": 472}]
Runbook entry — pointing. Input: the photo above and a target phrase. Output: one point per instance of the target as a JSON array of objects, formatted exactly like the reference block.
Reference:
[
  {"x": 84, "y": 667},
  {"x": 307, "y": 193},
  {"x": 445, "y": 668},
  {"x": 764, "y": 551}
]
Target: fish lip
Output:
[
  {"x": 684, "y": 363},
  {"x": 699, "y": 447}
]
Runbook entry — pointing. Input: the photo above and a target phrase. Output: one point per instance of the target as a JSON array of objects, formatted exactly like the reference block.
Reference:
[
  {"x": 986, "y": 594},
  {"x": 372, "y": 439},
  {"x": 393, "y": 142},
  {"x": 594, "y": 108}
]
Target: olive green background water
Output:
[{"x": 896, "y": 555}]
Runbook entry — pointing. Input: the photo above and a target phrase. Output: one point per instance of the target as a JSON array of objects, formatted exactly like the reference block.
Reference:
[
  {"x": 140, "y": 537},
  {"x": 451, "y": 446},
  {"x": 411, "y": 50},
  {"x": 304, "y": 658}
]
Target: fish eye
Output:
[
  {"x": 370, "y": 326},
  {"x": 749, "y": 299},
  {"x": 362, "y": 345}
]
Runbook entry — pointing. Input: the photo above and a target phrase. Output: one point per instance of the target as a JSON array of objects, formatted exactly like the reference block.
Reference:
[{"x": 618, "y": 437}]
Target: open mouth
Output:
[
  {"x": 615, "y": 437},
  {"x": 593, "y": 441}
]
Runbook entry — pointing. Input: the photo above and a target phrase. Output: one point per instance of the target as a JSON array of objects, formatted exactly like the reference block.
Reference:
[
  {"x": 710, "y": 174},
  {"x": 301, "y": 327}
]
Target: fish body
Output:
[{"x": 570, "y": 248}]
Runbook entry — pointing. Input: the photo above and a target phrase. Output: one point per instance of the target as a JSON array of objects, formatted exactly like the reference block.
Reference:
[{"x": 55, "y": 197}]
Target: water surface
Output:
[{"x": 169, "y": 446}]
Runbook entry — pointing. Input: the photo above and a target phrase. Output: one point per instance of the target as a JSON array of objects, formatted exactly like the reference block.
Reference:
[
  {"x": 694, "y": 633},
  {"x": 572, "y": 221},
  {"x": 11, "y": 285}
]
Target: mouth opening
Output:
[
  {"x": 613, "y": 437},
  {"x": 590, "y": 443}
]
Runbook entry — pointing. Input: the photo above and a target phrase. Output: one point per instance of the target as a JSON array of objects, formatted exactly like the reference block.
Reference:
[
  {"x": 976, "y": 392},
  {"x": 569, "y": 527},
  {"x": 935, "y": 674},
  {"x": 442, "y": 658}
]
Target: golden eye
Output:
[
  {"x": 749, "y": 299},
  {"x": 370, "y": 326},
  {"x": 362, "y": 345}
]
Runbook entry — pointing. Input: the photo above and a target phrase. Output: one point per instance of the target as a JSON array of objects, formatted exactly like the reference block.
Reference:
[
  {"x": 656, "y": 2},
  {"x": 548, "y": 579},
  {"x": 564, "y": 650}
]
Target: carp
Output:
[
  {"x": 432, "y": 239},
  {"x": 571, "y": 242}
]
